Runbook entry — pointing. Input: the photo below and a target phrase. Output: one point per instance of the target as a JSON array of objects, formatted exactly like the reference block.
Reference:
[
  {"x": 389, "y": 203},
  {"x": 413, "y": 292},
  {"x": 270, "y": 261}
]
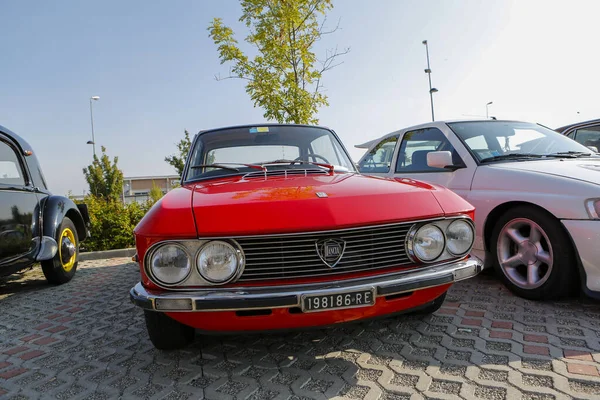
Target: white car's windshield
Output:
[
  {"x": 504, "y": 140},
  {"x": 245, "y": 149}
]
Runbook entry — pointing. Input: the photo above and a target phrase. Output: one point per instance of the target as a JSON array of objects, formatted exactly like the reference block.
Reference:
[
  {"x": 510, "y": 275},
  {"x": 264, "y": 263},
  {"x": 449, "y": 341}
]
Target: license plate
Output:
[{"x": 325, "y": 302}]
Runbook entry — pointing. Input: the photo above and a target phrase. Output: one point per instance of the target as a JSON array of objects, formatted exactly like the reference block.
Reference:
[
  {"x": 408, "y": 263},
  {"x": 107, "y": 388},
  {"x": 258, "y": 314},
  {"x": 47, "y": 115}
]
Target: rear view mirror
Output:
[{"x": 593, "y": 148}]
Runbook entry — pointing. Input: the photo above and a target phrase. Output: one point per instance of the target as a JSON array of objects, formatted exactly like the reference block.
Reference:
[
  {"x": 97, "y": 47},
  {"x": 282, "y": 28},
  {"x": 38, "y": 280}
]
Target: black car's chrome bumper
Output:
[{"x": 252, "y": 298}]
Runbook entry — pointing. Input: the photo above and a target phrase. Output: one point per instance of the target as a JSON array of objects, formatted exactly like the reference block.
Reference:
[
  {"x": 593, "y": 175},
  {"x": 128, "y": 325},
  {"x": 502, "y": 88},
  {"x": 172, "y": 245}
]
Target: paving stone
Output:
[
  {"x": 540, "y": 350},
  {"x": 578, "y": 355},
  {"x": 582, "y": 369}
]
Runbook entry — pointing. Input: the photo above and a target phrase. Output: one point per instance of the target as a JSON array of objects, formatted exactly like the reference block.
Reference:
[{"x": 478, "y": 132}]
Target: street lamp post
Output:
[
  {"x": 93, "y": 141},
  {"x": 487, "y": 109},
  {"x": 428, "y": 72}
]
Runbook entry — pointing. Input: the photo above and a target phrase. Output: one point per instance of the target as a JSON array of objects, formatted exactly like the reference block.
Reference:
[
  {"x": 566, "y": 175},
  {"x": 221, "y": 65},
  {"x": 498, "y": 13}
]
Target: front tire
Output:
[
  {"x": 533, "y": 254},
  {"x": 167, "y": 334},
  {"x": 61, "y": 268}
]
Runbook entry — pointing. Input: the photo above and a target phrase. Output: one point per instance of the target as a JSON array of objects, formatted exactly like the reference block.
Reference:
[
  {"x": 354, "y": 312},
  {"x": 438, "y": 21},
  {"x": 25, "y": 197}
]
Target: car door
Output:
[
  {"x": 587, "y": 136},
  {"x": 18, "y": 210},
  {"x": 411, "y": 159}
]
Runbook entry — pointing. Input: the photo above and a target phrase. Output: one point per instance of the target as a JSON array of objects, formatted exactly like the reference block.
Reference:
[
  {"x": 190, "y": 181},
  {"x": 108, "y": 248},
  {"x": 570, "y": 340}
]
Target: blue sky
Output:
[{"x": 153, "y": 66}]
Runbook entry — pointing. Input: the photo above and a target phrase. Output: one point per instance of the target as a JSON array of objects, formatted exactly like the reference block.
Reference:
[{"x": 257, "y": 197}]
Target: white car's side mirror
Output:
[
  {"x": 439, "y": 159},
  {"x": 593, "y": 148}
]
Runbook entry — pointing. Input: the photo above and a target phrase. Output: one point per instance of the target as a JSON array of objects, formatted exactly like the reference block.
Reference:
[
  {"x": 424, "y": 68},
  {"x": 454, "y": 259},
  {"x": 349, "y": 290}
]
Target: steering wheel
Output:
[{"x": 314, "y": 156}]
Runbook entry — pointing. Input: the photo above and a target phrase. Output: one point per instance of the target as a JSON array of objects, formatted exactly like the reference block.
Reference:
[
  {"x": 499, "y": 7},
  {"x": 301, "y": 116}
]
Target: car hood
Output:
[
  {"x": 238, "y": 206},
  {"x": 581, "y": 169}
]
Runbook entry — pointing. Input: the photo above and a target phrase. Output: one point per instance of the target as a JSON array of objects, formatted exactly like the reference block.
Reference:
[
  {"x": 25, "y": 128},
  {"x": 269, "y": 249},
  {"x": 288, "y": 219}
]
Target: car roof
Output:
[
  {"x": 22, "y": 143},
  {"x": 261, "y": 124},
  {"x": 370, "y": 143},
  {"x": 583, "y": 123}
]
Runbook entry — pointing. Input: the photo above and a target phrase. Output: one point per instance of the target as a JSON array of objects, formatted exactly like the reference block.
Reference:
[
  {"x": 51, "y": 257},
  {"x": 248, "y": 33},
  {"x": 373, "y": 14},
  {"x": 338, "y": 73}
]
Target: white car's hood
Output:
[{"x": 583, "y": 169}]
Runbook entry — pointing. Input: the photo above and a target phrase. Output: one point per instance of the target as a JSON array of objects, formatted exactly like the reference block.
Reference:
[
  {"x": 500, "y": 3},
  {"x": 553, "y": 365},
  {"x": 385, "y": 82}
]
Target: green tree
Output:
[
  {"x": 284, "y": 78},
  {"x": 183, "y": 148},
  {"x": 155, "y": 193},
  {"x": 104, "y": 177}
]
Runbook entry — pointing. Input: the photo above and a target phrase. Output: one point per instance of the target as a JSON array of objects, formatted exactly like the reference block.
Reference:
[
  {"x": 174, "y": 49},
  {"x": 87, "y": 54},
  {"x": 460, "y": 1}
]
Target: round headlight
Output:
[
  {"x": 460, "y": 237},
  {"x": 219, "y": 262},
  {"x": 428, "y": 243},
  {"x": 170, "y": 264}
]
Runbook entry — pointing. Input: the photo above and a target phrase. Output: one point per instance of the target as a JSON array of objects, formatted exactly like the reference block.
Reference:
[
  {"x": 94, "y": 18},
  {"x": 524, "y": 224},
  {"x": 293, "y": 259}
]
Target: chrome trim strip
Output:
[
  {"x": 269, "y": 297},
  {"x": 390, "y": 225}
]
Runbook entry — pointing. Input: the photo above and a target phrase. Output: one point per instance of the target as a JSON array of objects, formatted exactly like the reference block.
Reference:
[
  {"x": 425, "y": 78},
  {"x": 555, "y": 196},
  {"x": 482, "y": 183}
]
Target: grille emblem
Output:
[
  {"x": 321, "y": 194},
  {"x": 330, "y": 251}
]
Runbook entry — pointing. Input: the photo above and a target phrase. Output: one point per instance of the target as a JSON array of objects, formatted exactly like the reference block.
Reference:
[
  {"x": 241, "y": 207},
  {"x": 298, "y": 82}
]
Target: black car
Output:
[
  {"x": 587, "y": 133},
  {"x": 35, "y": 226}
]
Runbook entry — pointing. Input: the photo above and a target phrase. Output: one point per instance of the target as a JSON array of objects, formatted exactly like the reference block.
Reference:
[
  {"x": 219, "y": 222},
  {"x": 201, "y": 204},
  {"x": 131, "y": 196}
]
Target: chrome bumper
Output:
[{"x": 253, "y": 298}]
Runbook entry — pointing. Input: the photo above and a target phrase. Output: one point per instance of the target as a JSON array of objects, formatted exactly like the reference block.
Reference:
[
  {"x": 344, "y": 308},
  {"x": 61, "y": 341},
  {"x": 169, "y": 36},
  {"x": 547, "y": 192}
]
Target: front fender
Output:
[{"x": 56, "y": 208}]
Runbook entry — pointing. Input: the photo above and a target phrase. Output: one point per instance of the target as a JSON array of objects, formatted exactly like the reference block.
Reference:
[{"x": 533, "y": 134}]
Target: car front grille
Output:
[{"x": 295, "y": 255}]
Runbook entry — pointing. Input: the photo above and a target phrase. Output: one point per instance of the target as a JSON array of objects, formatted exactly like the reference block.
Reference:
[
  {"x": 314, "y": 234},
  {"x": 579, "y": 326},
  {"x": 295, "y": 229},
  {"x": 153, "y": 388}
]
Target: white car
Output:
[{"x": 536, "y": 195}]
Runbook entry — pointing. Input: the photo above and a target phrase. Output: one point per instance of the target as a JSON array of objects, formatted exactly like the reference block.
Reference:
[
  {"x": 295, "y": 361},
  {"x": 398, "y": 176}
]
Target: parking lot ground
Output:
[{"x": 85, "y": 340}]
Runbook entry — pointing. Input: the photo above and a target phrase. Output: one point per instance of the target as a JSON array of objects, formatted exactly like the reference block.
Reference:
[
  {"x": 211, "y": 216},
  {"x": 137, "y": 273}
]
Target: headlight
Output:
[
  {"x": 428, "y": 243},
  {"x": 219, "y": 262},
  {"x": 170, "y": 264},
  {"x": 593, "y": 208},
  {"x": 460, "y": 236}
]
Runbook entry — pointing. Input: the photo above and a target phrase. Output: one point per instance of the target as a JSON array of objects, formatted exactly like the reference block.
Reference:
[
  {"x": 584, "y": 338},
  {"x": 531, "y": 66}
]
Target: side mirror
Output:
[
  {"x": 442, "y": 159},
  {"x": 439, "y": 159},
  {"x": 593, "y": 148}
]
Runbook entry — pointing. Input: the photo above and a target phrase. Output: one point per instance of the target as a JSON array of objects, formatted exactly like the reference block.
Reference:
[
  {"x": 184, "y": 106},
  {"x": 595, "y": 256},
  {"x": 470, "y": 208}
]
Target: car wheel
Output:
[
  {"x": 61, "y": 268},
  {"x": 166, "y": 333},
  {"x": 432, "y": 307},
  {"x": 533, "y": 254}
]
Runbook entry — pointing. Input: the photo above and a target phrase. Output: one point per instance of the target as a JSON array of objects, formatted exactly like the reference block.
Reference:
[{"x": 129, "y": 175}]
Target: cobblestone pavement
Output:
[{"x": 85, "y": 340}]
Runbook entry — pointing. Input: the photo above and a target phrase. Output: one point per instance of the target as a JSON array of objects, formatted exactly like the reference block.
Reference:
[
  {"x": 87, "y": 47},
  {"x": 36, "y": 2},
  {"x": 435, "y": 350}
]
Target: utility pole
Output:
[{"x": 432, "y": 90}]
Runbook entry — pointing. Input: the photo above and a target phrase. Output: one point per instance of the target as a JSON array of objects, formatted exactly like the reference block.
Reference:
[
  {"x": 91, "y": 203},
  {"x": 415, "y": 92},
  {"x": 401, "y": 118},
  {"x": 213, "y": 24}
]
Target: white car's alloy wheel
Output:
[
  {"x": 525, "y": 253},
  {"x": 533, "y": 254}
]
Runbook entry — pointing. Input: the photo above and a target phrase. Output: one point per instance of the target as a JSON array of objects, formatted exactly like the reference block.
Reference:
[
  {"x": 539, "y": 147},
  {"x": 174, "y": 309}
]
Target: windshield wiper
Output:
[
  {"x": 511, "y": 156},
  {"x": 225, "y": 166},
  {"x": 570, "y": 154},
  {"x": 215, "y": 166}
]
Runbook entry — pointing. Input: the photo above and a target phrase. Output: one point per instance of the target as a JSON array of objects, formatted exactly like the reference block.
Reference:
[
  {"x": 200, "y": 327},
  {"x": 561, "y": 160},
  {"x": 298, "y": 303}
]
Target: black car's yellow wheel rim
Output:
[{"x": 67, "y": 250}]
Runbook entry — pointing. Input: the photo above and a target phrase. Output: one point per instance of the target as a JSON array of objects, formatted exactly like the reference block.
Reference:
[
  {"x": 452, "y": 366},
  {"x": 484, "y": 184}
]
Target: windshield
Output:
[
  {"x": 497, "y": 140},
  {"x": 240, "y": 150}
]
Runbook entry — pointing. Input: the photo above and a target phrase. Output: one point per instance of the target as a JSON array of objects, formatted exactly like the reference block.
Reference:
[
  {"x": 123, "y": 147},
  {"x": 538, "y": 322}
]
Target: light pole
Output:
[
  {"x": 93, "y": 141},
  {"x": 428, "y": 72},
  {"x": 487, "y": 109}
]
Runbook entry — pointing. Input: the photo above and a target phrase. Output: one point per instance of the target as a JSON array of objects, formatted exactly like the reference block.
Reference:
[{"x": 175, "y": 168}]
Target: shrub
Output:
[{"x": 112, "y": 223}]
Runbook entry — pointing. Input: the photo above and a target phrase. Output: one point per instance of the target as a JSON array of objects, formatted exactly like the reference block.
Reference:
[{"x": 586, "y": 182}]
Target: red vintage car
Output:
[{"x": 273, "y": 228}]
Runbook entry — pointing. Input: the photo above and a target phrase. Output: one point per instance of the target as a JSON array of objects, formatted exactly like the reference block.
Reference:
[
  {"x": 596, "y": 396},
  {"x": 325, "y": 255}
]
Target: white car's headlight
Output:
[
  {"x": 459, "y": 236},
  {"x": 170, "y": 264},
  {"x": 428, "y": 243},
  {"x": 593, "y": 208},
  {"x": 219, "y": 262}
]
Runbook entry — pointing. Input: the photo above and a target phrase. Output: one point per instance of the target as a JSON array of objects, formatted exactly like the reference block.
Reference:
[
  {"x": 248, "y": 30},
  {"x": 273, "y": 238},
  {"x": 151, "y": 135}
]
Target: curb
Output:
[{"x": 99, "y": 255}]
